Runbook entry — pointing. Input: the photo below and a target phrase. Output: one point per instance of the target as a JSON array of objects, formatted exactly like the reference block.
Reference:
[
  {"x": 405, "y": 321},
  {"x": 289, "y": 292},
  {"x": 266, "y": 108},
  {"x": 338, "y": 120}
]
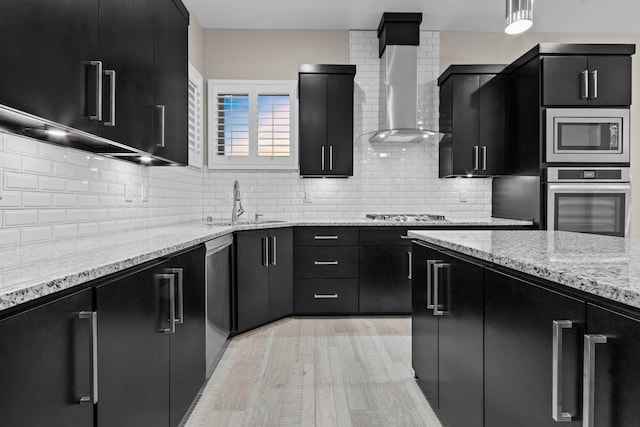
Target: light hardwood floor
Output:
[{"x": 317, "y": 372}]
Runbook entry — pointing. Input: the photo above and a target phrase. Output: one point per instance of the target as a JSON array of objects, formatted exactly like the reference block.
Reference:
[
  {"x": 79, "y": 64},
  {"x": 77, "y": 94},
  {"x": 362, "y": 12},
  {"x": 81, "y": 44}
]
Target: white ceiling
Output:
[{"x": 581, "y": 16}]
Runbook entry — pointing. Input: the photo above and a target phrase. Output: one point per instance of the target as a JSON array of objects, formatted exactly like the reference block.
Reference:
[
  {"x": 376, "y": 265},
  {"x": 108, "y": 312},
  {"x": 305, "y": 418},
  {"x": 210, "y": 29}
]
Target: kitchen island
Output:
[{"x": 527, "y": 327}]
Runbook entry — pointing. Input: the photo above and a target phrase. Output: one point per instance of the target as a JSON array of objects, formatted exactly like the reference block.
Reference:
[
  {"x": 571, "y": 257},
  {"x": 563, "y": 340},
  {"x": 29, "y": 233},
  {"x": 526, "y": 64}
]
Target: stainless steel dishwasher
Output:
[{"x": 218, "y": 297}]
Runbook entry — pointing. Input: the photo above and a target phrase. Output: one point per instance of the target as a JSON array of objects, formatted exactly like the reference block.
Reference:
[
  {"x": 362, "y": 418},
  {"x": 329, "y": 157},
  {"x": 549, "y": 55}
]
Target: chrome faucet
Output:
[{"x": 237, "y": 208}]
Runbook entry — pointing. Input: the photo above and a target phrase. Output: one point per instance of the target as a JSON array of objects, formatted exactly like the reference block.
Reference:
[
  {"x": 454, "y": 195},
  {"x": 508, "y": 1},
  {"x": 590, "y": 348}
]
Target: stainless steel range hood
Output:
[{"x": 399, "y": 37}]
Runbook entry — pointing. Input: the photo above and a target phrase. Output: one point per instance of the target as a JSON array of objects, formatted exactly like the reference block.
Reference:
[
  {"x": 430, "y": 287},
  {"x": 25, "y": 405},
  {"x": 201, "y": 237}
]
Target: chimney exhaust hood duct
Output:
[{"x": 399, "y": 37}]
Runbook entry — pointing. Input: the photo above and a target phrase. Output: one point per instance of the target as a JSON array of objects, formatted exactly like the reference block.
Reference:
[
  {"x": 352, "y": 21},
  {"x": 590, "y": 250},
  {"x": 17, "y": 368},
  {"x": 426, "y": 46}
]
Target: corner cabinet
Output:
[
  {"x": 473, "y": 113},
  {"x": 326, "y": 120}
]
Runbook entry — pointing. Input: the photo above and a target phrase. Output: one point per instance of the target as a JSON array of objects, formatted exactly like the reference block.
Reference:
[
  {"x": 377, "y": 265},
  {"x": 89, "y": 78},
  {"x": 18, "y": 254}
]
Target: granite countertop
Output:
[
  {"x": 32, "y": 271},
  {"x": 600, "y": 265}
]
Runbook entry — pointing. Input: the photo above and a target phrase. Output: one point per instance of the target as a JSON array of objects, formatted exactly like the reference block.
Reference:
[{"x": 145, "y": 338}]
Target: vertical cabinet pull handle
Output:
[
  {"x": 484, "y": 157},
  {"x": 589, "y": 383},
  {"x": 331, "y": 157},
  {"x": 476, "y": 158},
  {"x": 92, "y": 316},
  {"x": 322, "y": 157},
  {"x": 161, "y": 126},
  {"x": 274, "y": 250},
  {"x": 179, "y": 273},
  {"x": 430, "y": 264},
  {"x": 410, "y": 274},
  {"x": 436, "y": 288},
  {"x": 556, "y": 376},
  {"x": 98, "y": 105},
  {"x": 112, "y": 98},
  {"x": 172, "y": 302},
  {"x": 265, "y": 251},
  {"x": 593, "y": 89},
  {"x": 584, "y": 87}
]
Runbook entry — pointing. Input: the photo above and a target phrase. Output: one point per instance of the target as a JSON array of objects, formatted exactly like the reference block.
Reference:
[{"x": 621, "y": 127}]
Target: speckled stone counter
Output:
[
  {"x": 600, "y": 265},
  {"x": 32, "y": 271}
]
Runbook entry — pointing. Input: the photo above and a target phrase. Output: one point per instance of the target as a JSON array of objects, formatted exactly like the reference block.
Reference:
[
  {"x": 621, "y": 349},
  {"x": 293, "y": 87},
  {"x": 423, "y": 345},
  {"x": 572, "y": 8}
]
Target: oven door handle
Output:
[{"x": 591, "y": 187}]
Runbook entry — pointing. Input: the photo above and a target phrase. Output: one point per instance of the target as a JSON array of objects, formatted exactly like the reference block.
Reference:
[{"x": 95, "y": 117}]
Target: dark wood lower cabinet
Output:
[
  {"x": 45, "y": 368},
  {"x": 385, "y": 284},
  {"x": 280, "y": 272}
]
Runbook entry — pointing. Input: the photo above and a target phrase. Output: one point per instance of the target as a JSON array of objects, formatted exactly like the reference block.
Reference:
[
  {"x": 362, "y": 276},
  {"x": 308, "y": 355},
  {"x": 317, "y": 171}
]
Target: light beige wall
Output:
[
  {"x": 270, "y": 54},
  {"x": 499, "y": 48},
  {"x": 196, "y": 38}
]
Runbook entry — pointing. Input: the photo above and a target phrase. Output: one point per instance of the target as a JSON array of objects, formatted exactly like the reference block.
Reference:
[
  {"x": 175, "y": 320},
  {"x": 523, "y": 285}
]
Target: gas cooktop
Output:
[{"x": 406, "y": 217}]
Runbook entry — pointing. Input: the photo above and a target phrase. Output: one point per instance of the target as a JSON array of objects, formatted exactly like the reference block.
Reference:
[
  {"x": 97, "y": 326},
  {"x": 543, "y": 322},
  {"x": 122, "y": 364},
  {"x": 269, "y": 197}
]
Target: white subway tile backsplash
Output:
[
  {"x": 79, "y": 158},
  {"x": 77, "y": 186},
  {"x": 106, "y": 175},
  {"x": 11, "y": 199},
  {"x": 36, "y": 200},
  {"x": 51, "y": 216},
  {"x": 66, "y": 231},
  {"x": 65, "y": 200},
  {"x": 78, "y": 215},
  {"x": 19, "y": 218},
  {"x": 49, "y": 183},
  {"x": 34, "y": 164},
  {"x": 98, "y": 214},
  {"x": 20, "y": 181},
  {"x": 88, "y": 228},
  {"x": 36, "y": 234},
  {"x": 87, "y": 173},
  {"x": 108, "y": 227},
  {"x": 9, "y": 237},
  {"x": 65, "y": 169},
  {"x": 88, "y": 200},
  {"x": 48, "y": 151},
  {"x": 10, "y": 161},
  {"x": 20, "y": 145}
]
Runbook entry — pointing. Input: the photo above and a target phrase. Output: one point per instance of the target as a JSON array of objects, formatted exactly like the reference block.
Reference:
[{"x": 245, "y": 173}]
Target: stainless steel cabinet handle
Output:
[
  {"x": 161, "y": 111},
  {"x": 325, "y": 296},
  {"x": 179, "y": 272},
  {"x": 316, "y": 237},
  {"x": 322, "y": 156},
  {"x": 331, "y": 157},
  {"x": 476, "y": 158},
  {"x": 274, "y": 250},
  {"x": 325, "y": 262},
  {"x": 584, "y": 87},
  {"x": 556, "y": 375},
  {"x": 172, "y": 302},
  {"x": 484, "y": 157},
  {"x": 265, "y": 251},
  {"x": 589, "y": 383},
  {"x": 98, "y": 115},
  {"x": 410, "y": 265},
  {"x": 93, "y": 318},
  {"x": 112, "y": 100},
  {"x": 436, "y": 289},
  {"x": 430, "y": 264},
  {"x": 593, "y": 90}
]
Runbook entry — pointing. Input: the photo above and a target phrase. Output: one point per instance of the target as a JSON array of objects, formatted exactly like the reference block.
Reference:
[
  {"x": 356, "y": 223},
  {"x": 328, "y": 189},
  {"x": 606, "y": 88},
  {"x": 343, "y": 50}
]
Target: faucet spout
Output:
[{"x": 237, "y": 203}]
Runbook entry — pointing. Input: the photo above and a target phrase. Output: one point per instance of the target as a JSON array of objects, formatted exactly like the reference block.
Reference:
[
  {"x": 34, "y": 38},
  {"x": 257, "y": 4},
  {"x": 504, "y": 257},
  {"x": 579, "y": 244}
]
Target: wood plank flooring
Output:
[{"x": 317, "y": 372}]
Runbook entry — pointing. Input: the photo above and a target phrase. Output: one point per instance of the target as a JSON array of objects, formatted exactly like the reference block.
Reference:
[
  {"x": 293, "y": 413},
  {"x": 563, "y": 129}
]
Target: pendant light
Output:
[{"x": 519, "y": 16}]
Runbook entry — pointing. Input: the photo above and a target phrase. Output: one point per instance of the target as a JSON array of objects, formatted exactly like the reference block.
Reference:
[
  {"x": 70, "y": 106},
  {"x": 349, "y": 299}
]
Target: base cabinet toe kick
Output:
[{"x": 494, "y": 347}]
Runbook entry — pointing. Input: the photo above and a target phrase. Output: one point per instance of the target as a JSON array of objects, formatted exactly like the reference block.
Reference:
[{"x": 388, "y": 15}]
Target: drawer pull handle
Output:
[
  {"x": 325, "y": 262},
  {"x": 325, "y": 237},
  {"x": 406, "y": 237},
  {"x": 325, "y": 296}
]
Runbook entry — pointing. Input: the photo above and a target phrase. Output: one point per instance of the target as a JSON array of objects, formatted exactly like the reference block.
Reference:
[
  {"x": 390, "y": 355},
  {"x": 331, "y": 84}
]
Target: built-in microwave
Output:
[{"x": 587, "y": 135}]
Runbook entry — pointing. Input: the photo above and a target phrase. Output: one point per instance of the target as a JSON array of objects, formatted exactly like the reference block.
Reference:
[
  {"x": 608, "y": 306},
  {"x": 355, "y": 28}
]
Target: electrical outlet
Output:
[
  {"x": 308, "y": 197},
  {"x": 463, "y": 197},
  {"x": 128, "y": 193},
  {"x": 144, "y": 196}
]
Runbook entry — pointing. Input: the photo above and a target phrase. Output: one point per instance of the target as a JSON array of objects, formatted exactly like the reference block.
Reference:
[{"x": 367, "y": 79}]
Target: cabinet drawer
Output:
[
  {"x": 326, "y": 236},
  {"x": 325, "y": 262},
  {"x": 315, "y": 296}
]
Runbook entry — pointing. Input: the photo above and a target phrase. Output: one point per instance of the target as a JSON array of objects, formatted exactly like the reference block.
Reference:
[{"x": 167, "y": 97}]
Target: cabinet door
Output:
[
  {"x": 170, "y": 83},
  {"x": 340, "y": 125},
  {"x": 465, "y": 104},
  {"x": 313, "y": 124},
  {"x": 126, "y": 47},
  {"x": 133, "y": 352},
  {"x": 562, "y": 81},
  {"x": 460, "y": 297},
  {"x": 492, "y": 125},
  {"x": 424, "y": 326},
  {"x": 616, "y": 369},
  {"x": 45, "y": 369},
  {"x": 252, "y": 279},
  {"x": 280, "y": 272},
  {"x": 385, "y": 284},
  {"x": 518, "y": 348},
  {"x": 613, "y": 81},
  {"x": 47, "y": 46},
  {"x": 187, "y": 367}
]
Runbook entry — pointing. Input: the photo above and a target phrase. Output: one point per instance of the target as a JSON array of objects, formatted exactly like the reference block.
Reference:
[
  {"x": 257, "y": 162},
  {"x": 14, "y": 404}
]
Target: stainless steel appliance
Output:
[
  {"x": 589, "y": 200},
  {"x": 218, "y": 298},
  {"x": 587, "y": 135},
  {"x": 406, "y": 217}
]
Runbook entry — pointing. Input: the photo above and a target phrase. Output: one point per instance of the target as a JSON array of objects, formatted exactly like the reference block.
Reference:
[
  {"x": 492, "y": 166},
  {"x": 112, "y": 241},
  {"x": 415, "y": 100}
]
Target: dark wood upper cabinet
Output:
[
  {"x": 473, "y": 113},
  {"x": 326, "y": 120},
  {"x": 586, "y": 80},
  {"x": 46, "y": 60}
]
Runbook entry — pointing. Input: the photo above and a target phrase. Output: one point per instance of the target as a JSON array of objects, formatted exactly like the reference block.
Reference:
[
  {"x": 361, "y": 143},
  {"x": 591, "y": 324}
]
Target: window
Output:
[
  {"x": 196, "y": 84},
  {"x": 252, "y": 124}
]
